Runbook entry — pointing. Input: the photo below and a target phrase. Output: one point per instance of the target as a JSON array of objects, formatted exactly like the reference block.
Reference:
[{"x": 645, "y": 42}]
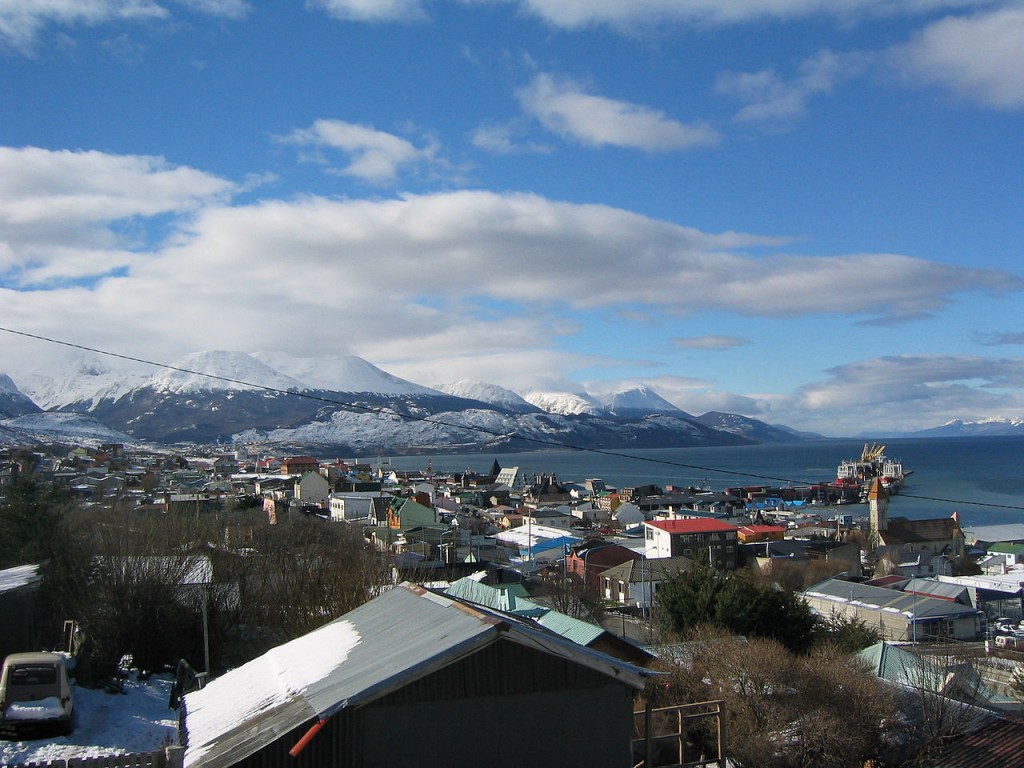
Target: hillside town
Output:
[{"x": 549, "y": 574}]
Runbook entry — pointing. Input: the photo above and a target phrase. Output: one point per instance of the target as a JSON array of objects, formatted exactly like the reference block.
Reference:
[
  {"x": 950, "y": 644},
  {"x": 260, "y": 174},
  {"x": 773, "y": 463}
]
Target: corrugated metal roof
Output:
[
  {"x": 396, "y": 638},
  {"x": 879, "y": 598},
  {"x": 487, "y": 596},
  {"x": 692, "y": 525},
  {"x": 571, "y": 629},
  {"x": 998, "y": 744}
]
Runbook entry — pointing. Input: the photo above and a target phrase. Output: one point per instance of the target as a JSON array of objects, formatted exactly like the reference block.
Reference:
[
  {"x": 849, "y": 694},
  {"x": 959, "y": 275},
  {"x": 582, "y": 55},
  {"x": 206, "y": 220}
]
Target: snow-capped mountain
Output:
[
  {"x": 488, "y": 393},
  {"x": 638, "y": 401},
  {"x": 347, "y": 405},
  {"x": 82, "y": 379},
  {"x": 564, "y": 403},
  {"x": 12, "y": 401},
  {"x": 211, "y": 371},
  {"x": 748, "y": 427},
  {"x": 346, "y": 373},
  {"x": 59, "y": 427},
  {"x": 960, "y": 427}
]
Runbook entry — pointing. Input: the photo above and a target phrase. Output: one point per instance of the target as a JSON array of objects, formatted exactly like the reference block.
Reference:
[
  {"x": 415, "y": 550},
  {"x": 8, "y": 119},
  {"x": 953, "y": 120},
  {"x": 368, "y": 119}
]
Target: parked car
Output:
[{"x": 36, "y": 694}]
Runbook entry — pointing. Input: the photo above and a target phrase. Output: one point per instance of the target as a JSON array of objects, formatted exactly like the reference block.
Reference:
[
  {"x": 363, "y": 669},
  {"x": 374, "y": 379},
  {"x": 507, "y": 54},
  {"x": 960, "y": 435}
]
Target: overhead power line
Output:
[{"x": 547, "y": 443}]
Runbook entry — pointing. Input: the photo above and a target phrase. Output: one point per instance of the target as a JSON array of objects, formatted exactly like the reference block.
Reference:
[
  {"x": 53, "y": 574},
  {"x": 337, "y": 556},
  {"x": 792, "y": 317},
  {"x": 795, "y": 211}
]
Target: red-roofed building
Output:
[
  {"x": 701, "y": 539},
  {"x": 299, "y": 465}
]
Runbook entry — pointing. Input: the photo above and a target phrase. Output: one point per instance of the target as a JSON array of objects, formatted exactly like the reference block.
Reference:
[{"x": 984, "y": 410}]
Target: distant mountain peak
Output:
[
  {"x": 340, "y": 373},
  {"x": 639, "y": 399},
  {"x": 563, "y": 403},
  {"x": 216, "y": 370},
  {"x": 492, "y": 394}
]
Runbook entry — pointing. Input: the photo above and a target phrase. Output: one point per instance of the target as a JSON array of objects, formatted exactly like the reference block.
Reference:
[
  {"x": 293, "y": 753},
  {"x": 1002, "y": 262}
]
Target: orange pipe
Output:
[{"x": 304, "y": 741}]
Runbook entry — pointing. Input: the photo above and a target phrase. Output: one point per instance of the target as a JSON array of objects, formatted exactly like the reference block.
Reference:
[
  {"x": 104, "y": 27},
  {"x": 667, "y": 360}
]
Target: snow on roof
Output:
[
  {"x": 19, "y": 576},
  {"x": 282, "y": 677},
  {"x": 351, "y": 662}
]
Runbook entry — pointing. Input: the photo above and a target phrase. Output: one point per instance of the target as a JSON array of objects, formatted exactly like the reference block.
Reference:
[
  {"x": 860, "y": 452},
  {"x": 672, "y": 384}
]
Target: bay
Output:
[{"x": 981, "y": 478}]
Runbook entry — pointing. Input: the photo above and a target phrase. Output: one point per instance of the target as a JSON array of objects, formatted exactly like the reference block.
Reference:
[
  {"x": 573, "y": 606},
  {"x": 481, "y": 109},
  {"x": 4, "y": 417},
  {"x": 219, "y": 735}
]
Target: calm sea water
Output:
[{"x": 982, "y": 478}]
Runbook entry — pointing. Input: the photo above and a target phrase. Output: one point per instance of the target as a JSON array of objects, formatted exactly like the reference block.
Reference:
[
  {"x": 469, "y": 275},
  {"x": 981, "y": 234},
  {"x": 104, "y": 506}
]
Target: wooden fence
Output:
[{"x": 162, "y": 758}]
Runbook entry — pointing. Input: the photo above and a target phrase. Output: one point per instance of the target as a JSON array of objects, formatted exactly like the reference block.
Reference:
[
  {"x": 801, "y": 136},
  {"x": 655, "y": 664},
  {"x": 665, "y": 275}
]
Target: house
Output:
[
  {"x": 895, "y": 614},
  {"x": 592, "y": 636},
  {"x": 590, "y": 558},
  {"x": 910, "y": 564},
  {"x": 996, "y": 744},
  {"x": 511, "y": 478},
  {"x": 312, "y": 488},
  {"x": 628, "y": 514},
  {"x": 407, "y": 513},
  {"x": 548, "y": 517},
  {"x": 365, "y": 508},
  {"x": 1010, "y": 552},
  {"x": 299, "y": 465},
  {"x": 698, "y": 538},
  {"x": 951, "y": 677},
  {"x": 750, "y": 534},
  {"x": 835, "y": 556},
  {"x": 546, "y": 490},
  {"x": 413, "y": 678},
  {"x": 635, "y": 583}
]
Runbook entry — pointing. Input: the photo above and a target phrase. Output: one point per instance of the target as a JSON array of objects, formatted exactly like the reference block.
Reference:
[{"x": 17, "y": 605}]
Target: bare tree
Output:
[
  {"x": 299, "y": 575},
  {"x": 783, "y": 709}
]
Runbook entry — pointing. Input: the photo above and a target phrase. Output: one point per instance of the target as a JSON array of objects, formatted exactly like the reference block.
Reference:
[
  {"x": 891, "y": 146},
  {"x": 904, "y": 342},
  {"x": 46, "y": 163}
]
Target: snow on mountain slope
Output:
[
  {"x": 82, "y": 379},
  {"x": 370, "y": 431},
  {"x": 217, "y": 371},
  {"x": 563, "y": 403},
  {"x": 346, "y": 373},
  {"x": 967, "y": 428},
  {"x": 470, "y": 389},
  {"x": 636, "y": 400},
  {"x": 12, "y": 401},
  {"x": 76, "y": 427},
  {"x": 7, "y": 385}
]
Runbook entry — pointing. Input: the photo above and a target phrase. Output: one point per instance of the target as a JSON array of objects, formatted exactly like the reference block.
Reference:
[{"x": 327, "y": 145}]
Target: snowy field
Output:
[{"x": 107, "y": 724}]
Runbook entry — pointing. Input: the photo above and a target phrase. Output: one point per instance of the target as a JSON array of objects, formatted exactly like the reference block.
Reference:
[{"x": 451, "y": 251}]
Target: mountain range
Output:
[
  {"x": 344, "y": 405},
  {"x": 348, "y": 406}
]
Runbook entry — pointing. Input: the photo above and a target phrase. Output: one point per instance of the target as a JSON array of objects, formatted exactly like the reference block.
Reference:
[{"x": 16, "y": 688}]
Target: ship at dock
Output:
[{"x": 873, "y": 464}]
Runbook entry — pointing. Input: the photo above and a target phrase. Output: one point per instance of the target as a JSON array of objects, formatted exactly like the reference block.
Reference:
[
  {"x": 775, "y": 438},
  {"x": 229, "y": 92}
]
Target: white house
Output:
[
  {"x": 353, "y": 507},
  {"x": 312, "y": 488}
]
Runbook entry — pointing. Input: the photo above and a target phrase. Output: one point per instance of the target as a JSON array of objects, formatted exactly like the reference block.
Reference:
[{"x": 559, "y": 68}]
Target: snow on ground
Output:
[{"x": 138, "y": 720}]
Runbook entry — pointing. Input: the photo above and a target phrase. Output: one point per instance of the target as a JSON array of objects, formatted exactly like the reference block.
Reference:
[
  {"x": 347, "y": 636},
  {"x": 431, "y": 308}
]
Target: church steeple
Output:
[{"x": 878, "y": 510}]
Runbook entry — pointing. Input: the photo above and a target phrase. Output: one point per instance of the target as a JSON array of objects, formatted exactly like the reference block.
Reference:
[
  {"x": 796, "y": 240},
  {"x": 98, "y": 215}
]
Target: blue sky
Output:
[{"x": 804, "y": 211}]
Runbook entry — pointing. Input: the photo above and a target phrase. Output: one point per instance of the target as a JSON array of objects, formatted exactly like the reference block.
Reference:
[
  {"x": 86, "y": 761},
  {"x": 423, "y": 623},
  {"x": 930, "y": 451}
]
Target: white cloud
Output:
[
  {"x": 232, "y": 9},
  {"x": 709, "y": 342},
  {"x": 370, "y": 10},
  {"x": 504, "y": 140},
  {"x": 375, "y": 156},
  {"x": 771, "y": 98},
  {"x": 432, "y": 287},
  {"x": 628, "y": 14},
  {"x": 563, "y": 107},
  {"x": 69, "y": 215},
  {"x": 908, "y": 392},
  {"x": 443, "y": 257},
  {"x": 22, "y": 20},
  {"x": 979, "y": 58}
]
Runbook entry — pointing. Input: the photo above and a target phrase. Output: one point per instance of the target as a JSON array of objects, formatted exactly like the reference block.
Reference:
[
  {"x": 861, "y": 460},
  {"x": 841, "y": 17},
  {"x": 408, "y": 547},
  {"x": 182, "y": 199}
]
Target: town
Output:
[{"x": 589, "y": 598}]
